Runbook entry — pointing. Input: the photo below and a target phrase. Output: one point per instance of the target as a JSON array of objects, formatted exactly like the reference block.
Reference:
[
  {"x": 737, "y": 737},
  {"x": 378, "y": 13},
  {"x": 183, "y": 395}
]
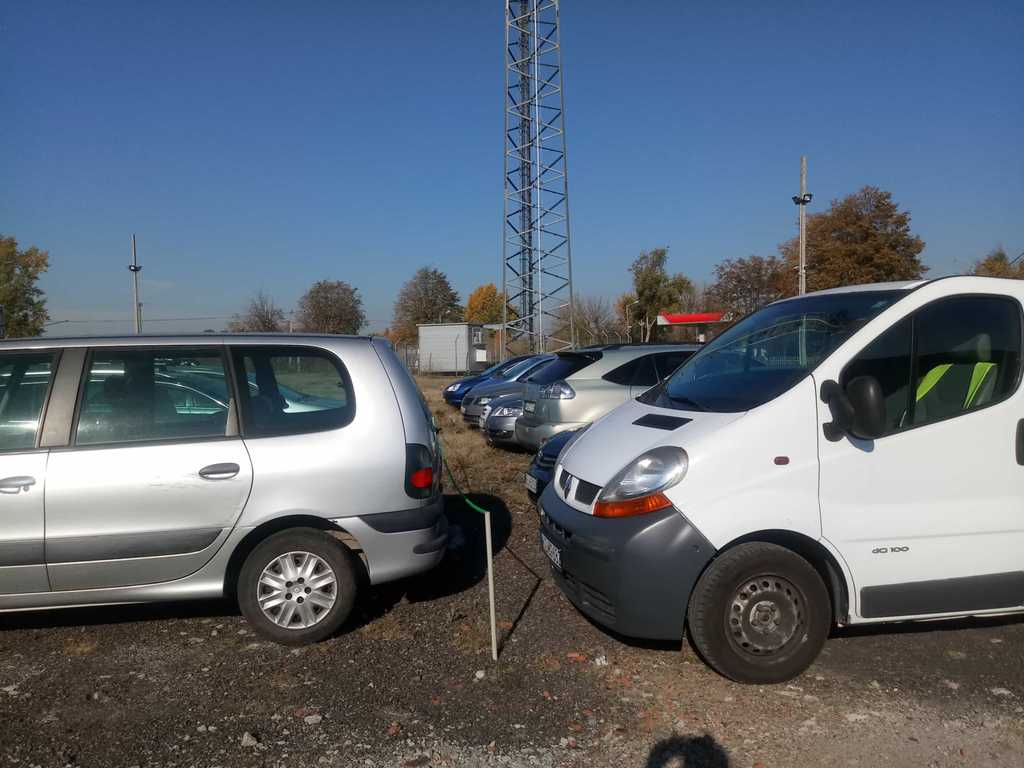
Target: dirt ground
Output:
[{"x": 409, "y": 682}]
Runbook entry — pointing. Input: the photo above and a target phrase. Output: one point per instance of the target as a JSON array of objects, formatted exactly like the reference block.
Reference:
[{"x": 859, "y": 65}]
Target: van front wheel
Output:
[
  {"x": 297, "y": 586},
  {"x": 760, "y": 613}
]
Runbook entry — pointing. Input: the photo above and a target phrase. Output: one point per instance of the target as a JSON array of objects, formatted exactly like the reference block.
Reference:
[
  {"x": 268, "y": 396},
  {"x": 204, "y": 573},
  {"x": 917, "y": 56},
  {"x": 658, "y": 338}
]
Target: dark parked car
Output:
[
  {"x": 538, "y": 474},
  {"x": 454, "y": 393}
]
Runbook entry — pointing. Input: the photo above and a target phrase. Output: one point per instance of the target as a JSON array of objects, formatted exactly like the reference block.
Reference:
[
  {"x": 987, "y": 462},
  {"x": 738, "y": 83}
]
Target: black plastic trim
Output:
[
  {"x": 918, "y": 598},
  {"x": 405, "y": 520},
  {"x": 26, "y": 552},
  {"x": 78, "y": 549},
  {"x": 661, "y": 421}
]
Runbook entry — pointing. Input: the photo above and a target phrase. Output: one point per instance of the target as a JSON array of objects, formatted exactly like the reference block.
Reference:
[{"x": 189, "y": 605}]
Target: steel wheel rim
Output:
[
  {"x": 297, "y": 590},
  {"x": 764, "y": 615}
]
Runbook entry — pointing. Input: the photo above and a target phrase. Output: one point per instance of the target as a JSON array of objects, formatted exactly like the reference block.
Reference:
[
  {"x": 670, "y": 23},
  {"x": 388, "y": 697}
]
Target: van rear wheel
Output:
[
  {"x": 297, "y": 586},
  {"x": 759, "y": 614}
]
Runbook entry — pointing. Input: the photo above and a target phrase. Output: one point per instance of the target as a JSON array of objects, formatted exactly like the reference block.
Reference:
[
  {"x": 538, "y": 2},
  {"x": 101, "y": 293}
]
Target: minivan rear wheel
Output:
[
  {"x": 297, "y": 586},
  {"x": 760, "y": 613}
]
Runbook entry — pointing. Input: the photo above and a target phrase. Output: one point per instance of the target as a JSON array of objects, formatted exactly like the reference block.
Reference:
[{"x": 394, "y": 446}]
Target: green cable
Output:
[{"x": 451, "y": 476}]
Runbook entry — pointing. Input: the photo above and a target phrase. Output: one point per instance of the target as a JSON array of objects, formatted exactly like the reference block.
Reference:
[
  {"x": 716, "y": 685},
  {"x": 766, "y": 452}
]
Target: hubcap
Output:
[
  {"x": 765, "y": 614},
  {"x": 296, "y": 590}
]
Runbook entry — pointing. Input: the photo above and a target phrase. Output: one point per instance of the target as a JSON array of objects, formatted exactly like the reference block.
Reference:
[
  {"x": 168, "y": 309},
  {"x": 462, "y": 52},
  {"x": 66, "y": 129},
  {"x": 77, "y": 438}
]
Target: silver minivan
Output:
[
  {"x": 284, "y": 470},
  {"x": 584, "y": 384}
]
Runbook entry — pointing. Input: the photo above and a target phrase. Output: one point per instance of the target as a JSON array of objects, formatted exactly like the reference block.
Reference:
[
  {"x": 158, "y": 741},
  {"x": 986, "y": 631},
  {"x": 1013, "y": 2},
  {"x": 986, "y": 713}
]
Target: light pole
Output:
[
  {"x": 802, "y": 200},
  {"x": 629, "y": 328}
]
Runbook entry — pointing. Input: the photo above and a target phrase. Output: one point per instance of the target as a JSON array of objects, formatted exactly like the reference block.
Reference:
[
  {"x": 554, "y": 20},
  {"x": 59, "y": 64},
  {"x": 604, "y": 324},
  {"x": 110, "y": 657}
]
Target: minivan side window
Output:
[
  {"x": 24, "y": 382},
  {"x": 290, "y": 390},
  {"x": 134, "y": 395},
  {"x": 948, "y": 358}
]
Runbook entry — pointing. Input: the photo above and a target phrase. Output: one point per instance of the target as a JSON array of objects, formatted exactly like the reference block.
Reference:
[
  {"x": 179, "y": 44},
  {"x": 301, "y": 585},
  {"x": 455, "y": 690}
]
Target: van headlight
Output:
[{"x": 638, "y": 488}]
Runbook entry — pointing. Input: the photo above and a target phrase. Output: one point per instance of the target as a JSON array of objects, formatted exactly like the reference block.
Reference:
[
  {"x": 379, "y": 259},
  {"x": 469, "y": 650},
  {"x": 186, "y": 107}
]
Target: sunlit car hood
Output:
[{"x": 614, "y": 440}]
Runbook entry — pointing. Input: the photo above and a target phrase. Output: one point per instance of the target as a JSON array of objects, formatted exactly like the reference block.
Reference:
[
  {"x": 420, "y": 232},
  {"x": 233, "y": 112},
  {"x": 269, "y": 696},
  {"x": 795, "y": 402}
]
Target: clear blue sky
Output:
[{"x": 265, "y": 145}]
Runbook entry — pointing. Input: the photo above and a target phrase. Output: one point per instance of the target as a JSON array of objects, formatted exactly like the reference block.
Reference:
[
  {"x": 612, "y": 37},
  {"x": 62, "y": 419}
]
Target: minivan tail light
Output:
[{"x": 419, "y": 471}]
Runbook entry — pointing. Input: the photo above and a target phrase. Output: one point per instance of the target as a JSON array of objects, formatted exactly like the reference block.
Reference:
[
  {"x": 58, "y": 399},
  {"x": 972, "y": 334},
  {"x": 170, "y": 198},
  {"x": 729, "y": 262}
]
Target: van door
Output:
[
  {"x": 930, "y": 517},
  {"x": 155, "y": 476},
  {"x": 24, "y": 383}
]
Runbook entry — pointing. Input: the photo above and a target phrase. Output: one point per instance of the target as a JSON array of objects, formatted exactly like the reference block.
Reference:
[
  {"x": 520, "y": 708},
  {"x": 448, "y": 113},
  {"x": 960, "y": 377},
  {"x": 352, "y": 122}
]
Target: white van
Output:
[{"x": 846, "y": 457}]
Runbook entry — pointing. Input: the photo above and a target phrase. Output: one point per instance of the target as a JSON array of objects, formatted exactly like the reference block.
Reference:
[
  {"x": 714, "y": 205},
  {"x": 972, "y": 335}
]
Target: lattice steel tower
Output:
[{"x": 536, "y": 252}]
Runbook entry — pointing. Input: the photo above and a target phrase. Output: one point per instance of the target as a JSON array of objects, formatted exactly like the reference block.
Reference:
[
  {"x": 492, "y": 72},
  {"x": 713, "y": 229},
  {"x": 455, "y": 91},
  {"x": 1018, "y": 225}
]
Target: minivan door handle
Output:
[
  {"x": 16, "y": 484},
  {"x": 219, "y": 471}
]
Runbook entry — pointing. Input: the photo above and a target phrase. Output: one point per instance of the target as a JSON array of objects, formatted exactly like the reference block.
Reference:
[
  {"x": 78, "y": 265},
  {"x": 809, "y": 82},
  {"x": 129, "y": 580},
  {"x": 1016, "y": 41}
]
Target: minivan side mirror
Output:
[{"x": 859, "y": 410}]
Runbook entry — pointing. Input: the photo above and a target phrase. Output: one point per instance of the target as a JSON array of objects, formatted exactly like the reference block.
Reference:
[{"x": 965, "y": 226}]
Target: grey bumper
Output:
[
  {"x": 533, "y": 435},
  {"x": 633, "y": 575},
  {"x": 399, "y": 544}
]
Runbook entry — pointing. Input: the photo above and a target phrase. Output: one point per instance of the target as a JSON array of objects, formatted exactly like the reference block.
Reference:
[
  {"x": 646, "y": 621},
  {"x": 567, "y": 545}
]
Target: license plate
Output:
[
  {"x": 553, "y": 552},
  {"x": 529, "y": 406},
  {"x": 531, "y": 483}
]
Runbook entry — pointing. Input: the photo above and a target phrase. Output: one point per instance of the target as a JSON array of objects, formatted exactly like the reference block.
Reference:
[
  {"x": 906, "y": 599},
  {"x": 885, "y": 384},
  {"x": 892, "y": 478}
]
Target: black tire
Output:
[
  {"x": 760, "y": 613},
  {"x": 327, "y": 619}
]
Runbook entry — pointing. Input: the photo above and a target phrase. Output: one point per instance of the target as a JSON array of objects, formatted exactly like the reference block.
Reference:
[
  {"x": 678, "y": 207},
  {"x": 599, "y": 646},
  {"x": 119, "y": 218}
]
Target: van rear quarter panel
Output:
[
  {"x": 356, "y": 470},
  {"x": 734, "y": 487}
]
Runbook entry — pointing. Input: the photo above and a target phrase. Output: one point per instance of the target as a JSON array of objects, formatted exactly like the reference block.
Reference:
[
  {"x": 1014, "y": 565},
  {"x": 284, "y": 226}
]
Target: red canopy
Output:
[{"x": 691, "y": 318}]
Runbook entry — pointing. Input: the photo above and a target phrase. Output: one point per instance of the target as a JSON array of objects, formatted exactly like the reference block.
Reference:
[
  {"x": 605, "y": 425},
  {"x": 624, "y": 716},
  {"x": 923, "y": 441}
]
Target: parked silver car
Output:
[
  {"x": 284, "y": 470},
  {"x": 585, "y": 384},
  {"x": 513, "y": 382},
  {"x": 498, "y": 420}
]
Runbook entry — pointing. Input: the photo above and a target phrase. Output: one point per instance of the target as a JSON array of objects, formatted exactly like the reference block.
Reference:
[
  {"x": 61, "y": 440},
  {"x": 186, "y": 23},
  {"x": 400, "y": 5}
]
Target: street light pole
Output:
[
  {"x": 629, "y": 327},
  {"x": 801, "y": 201},
  {"x": 134, "y": 268}
]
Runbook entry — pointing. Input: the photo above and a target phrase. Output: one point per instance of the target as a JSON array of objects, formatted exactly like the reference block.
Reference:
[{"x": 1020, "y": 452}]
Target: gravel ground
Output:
[{"x": 410, "y": 682}]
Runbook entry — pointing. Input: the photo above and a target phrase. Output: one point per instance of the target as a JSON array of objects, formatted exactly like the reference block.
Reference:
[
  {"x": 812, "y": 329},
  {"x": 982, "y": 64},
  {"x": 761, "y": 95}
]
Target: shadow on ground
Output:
[{"x": 688, "y": 752}]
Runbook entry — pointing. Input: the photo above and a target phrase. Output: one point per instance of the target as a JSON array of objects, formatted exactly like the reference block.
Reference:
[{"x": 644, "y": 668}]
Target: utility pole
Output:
[
  {"x": 801, "y": 201},
  {"x": 134, "y": 268}
]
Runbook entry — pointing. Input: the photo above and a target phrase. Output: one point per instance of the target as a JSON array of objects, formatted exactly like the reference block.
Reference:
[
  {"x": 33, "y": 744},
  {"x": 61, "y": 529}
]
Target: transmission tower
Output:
[{"x": 536, "y": 252}]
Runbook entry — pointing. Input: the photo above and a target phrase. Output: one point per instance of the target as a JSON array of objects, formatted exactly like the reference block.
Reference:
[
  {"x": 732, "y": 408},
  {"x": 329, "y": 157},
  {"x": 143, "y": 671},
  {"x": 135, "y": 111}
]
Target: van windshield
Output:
[{"x": 768, "y": 352}]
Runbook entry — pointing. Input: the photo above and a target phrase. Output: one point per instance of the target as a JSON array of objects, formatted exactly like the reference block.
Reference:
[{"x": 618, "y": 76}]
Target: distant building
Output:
[{"x": 453, "y": 347}]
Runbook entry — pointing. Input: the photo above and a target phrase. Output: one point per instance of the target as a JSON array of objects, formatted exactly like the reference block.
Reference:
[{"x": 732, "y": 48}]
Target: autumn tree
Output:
[
  {"x": 23, "y": 302},
  {"x": 657, "y": 291},
  {"x": 595, "y": 321},
  {"x": 745, "y": 285},
  {"x": 427, "y": 297},
  {"x": 485, "y": 305},
  {"x": 331, "y": 306},
  {"x": 261, "y": 315},
  {"x": 998, "y": 264},
  {"x": 863, "y": 238}
]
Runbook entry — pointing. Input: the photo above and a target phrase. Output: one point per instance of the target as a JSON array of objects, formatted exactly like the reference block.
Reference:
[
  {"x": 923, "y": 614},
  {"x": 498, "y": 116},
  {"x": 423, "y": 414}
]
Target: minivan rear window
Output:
[
  {"x": 564, "y": 366},
  {"x": 291, "y": 390}
]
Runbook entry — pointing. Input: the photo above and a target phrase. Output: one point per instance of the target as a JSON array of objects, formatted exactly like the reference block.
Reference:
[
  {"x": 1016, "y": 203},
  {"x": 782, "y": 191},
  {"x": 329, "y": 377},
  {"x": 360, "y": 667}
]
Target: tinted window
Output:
[
  {"x": 290, "y": 390},
  {"x": 967, "y": 356},
  {"x": 24, "y": 381},
  {"x": 624, "y": 373},
  {"x": 768, "y": 352},
  {"x": 667, "y": 362},
  {"x": 564, "y": 366},
  {"x": 134, "y": 395},
  {"x": 645, "y": 374},
  {"x": 887, "y": 358}
]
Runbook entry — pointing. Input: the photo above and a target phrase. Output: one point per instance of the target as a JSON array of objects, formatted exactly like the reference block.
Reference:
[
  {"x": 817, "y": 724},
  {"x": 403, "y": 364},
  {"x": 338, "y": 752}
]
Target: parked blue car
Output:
[{"x": 454, "y": 393}]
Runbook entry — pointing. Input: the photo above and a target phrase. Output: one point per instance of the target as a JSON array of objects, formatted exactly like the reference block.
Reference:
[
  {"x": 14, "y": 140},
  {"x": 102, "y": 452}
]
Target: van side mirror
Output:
[{"x": 859, "y": 410}]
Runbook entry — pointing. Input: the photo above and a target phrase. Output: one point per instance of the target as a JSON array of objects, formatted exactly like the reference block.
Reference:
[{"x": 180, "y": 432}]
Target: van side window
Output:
[
  {"x": 946, "y": 359},
  {"x": 24, "y": 381},
  {"x": 967, "y": 356},
  {"x": 133, "y": 395},
  {"x": 290, "y": 390},
  {"x": 887, "y": 358}
]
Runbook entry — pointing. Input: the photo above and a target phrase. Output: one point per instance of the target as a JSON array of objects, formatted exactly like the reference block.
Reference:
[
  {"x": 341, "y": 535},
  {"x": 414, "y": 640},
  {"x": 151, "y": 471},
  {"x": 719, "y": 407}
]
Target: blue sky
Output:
[{"x": 265, "y": 145}]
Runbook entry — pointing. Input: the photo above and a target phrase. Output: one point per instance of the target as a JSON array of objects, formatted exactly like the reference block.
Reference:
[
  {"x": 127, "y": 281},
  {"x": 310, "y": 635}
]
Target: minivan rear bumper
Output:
[
  {"x": 399, "y": 544},
  {"x": 633, "y": 575}
]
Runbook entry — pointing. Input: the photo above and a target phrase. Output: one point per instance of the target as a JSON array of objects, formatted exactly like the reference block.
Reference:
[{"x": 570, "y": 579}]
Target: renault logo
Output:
[{"x": 565, "y": 482}]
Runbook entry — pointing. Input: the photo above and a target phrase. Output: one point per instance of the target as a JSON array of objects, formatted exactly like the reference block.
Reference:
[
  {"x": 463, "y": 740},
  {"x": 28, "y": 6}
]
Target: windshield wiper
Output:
[{"x": 684, "y": 400}]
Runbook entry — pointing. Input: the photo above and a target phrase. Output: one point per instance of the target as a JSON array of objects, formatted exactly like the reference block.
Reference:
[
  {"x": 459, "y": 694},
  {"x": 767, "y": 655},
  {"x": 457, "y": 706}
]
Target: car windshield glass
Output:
[
  {"x": 563, "y": 366},
  {"x": 765, "y": 354}
]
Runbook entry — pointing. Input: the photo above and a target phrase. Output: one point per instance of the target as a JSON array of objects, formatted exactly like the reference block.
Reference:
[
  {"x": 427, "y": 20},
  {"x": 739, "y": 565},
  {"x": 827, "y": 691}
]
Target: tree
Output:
[
  {"x": 261, "y": 315},
  {"x": 427, "y": 297},
  {"x": 484, "y": 305},
  {"x": 23, "y": 302},
  {"x": 863, "y": 238},
  {"x": 595, "y": 321},
  {"x": 998, "y": 264},
  {"x": 331, "y": 306},
  {"x": 657, "y": 291},
  {"x": 745, "y": 285}
]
